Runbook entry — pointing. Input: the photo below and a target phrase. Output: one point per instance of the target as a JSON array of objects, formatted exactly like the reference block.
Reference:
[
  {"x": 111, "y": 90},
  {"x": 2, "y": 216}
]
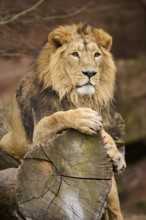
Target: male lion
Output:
[{"x": 69, "y": 85}]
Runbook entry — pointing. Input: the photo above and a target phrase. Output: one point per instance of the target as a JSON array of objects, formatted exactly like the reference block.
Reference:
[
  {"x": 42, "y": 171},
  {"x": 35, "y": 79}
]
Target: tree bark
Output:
[{"x": 7, "y": 193}]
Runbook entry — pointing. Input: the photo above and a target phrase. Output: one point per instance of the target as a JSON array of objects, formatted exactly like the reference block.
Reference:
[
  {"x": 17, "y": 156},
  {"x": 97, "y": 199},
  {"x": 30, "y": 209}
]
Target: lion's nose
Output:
[{"x": 89, "y": 73}]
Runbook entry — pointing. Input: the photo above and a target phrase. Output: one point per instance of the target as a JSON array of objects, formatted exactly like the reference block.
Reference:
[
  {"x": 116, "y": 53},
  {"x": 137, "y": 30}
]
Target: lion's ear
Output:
[
  {"x": 103, "y": 38},
  {"x": 58, "y": 37}
]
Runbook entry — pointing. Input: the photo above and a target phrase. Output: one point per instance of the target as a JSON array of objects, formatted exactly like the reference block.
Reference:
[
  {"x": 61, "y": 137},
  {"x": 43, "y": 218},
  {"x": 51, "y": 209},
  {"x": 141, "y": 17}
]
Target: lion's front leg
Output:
[
  {"x": 113, "y": 203},
  {"x": 48, "y": 127},
  {"x": 114, "y": 211},
  {"x": 114, "y": 155},
  {"x": 85, "y": 120}
]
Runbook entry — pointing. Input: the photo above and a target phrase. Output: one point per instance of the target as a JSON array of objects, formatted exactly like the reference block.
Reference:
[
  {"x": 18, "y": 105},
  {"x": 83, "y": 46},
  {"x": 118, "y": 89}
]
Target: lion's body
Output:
[{"x": 73, "y": 73}]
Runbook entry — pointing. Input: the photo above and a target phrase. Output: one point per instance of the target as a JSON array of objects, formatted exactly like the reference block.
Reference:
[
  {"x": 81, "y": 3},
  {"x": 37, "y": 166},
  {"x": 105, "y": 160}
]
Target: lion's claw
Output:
[
  {"x": 119, "y": 164},
  {"x": 113, "y": 154}
]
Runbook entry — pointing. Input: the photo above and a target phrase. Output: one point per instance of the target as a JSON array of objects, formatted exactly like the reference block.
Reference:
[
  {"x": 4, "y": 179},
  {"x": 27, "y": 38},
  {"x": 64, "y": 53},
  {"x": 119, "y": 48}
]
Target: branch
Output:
[
  {"x": 68, "y": 15},
  {"x": 8, "y": 53},
  {"x": 71, "y": 14},
  {"x": 22, "y": 13}
]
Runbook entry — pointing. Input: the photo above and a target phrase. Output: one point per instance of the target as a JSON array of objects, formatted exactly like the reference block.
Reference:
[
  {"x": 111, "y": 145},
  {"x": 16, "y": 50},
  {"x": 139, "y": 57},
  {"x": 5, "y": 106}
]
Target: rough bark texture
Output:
[
  {"x": 7, "y": 193},
  {"x": 77, "y": 186}
]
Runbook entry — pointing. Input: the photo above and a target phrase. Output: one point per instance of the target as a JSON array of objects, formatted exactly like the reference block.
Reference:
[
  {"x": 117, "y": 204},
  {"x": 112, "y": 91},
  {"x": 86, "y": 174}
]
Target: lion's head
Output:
[{"x": 76, "y": 62}]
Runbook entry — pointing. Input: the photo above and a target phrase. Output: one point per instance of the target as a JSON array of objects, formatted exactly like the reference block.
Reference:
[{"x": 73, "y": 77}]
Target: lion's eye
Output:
[
  {"x": 75, "y": 54},
  {"x": 97, "y": 54}
]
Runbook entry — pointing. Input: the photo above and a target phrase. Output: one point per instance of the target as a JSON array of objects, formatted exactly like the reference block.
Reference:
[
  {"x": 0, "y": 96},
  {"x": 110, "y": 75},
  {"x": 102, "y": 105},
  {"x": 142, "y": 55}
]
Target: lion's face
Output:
[
  {"x": 82, "y": 63},
  {"x": 77, "y": 63}
]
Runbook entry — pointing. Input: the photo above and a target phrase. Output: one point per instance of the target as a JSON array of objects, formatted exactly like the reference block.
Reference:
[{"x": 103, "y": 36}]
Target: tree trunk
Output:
[
  {"x": 67, "y": 179},
  {"x": 7, "y": 193}
]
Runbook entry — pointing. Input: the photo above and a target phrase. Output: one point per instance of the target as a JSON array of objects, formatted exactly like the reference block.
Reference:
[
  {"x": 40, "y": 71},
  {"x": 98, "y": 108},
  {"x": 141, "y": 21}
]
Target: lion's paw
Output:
[
  {"x": 113, "y": 154},
  {"x": 118, "y": 162}
]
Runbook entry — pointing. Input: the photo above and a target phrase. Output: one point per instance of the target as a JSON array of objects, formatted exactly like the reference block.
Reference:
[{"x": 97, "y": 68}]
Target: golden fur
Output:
[
  {"x": 62, "y": 77},
  {"x": 59, "y": 94}
]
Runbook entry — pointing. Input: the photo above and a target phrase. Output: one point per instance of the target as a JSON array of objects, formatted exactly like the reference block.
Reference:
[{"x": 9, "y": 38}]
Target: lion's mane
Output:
[{"x": 50, "y": 71}]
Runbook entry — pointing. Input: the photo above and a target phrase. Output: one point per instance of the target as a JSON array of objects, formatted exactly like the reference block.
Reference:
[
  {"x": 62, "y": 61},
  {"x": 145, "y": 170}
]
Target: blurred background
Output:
[{"x": 24, "y": 26}]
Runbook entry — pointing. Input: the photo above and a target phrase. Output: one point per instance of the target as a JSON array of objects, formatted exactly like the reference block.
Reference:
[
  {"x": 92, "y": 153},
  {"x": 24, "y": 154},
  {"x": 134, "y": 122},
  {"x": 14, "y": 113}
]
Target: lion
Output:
[{"x": 70, "y": 84}]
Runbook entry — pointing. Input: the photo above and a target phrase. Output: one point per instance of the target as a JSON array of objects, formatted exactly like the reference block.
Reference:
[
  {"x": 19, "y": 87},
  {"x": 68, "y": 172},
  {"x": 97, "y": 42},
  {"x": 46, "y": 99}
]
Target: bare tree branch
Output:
[
  {"x": 64, "y": 16},
  {"x": 71, "y": 14},
  {"x": 8, "y": 53},
  {"x": 22, "y": 13},
  {"x": 33, "y": 17}
]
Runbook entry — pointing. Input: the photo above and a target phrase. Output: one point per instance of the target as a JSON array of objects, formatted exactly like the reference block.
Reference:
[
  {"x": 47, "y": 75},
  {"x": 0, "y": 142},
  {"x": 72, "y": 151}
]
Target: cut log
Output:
[
  {"x": 7, "y": 193},
  {"x": 7, "y": 187},
  {"x": 68, "y": 179}
]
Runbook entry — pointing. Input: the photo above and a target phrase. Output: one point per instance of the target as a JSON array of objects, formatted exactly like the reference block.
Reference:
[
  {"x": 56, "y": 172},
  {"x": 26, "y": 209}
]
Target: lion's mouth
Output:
[
  {"x": 86, "y": 89},
  {"x": 86, "y": 84}
]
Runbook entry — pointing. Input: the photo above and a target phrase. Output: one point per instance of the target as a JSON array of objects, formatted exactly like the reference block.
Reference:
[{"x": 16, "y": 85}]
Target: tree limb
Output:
[
  {"x": 71, "y": 14},
  {"x": 22, "y": 13}
]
